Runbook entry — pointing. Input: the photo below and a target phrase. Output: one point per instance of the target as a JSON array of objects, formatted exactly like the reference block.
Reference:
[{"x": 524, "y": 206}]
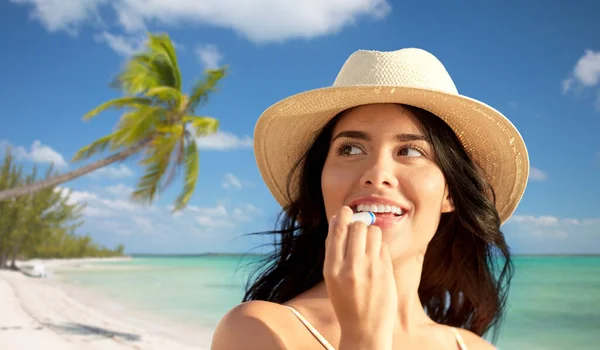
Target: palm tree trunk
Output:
[
  {"x": 25, "y": 190},
  {"x": 3, "y": 260},
  {"x": 13, "y": 263}
]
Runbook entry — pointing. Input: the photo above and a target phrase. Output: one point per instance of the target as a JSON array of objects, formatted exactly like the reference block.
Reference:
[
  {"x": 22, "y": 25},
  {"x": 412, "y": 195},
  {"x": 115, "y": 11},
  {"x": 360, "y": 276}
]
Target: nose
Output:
[{"x": 380, "y": 174}]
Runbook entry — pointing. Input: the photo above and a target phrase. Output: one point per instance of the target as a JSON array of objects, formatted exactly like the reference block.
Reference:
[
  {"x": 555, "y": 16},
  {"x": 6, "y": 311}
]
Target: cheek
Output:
[
  {"x": 334, "y": 183},
  {"x": 428, "y": 186},
  {"x": 424, "y": 188}
]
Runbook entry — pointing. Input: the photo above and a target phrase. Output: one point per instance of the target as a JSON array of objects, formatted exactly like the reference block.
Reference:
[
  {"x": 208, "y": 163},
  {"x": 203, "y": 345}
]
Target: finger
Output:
[
  {"x": 356, "y": 242},
  {"x": 329, "y": 248},
  {"x": 385, "y": 254},
  {"x": 374, "y": 238},
  {"x": 343, "y": 219},
  {"x": 330, "y": 224},
  {"x": 336, "y": 241}
]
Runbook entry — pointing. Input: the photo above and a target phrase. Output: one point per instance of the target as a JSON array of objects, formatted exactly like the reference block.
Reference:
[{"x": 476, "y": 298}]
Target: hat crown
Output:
[{"x": 414, "y": 68}]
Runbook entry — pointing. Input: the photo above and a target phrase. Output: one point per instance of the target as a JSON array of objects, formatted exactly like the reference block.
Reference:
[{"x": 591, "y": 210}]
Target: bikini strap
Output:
[
  {"x": 459, "y": 339},
  {"x": 328, "y": 346},
  {"x": 311, "y": 329}
]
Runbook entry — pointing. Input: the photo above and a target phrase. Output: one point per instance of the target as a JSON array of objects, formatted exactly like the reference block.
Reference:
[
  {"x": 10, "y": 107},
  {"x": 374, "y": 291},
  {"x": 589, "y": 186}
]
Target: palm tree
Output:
[{"x": 159, "y": 122}]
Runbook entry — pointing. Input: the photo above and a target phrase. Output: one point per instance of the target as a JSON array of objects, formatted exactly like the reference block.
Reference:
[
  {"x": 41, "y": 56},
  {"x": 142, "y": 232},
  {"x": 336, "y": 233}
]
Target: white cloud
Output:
[
  {"x": 247, "y": 212},
  {"x": 567, "y": 84},
  {"x": 129, "y": 20},
  {"x": 122, "y": 215},
  {"x": 543, "y": 220},
  {"x": 122, "y": 205},
  {"x": 65, "y": 15},
  {"x": 95, "y": 205},
  {"x": 211, "y": 223},
  {"x": 76, "y": 196},
  {"x": 587, "y": 69},
  {"x": 222, "y": 140},
  {"x": 244, "y": 213},
  {"x": 585, "y": 74},
  {"x": 119, "y": 190},
  {"x": 123, "y": 45},
  {"x": 231, "y": 182},
  {"x": 112, "y": 172},
  {"x": 95, "y": 200},
  {"x": 81, "y": 197},
  {"x": 96, "y": 212},
  {"x": 44, "y": 154},
  {"x": 537, "y": 174},
  {"x": 548, "y": 234},
  {"x": 260, "y": 21},
  {"x": 219, "y": 210},
  {"x": 209, "y": 56},
  {"x": 143, "y": 223},
  {"x": 38, "y": 153},
  {"x": 126, "y": 218}
]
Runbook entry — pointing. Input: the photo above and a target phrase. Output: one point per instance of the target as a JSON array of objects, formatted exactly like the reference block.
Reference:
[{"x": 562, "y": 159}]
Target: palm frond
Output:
[
  {"x": 145, "y": 71},
  {"x": 155, "y": 67},
  {"x": 176, "y": 163},
  {"x": 191, "y": 175},
  {"x": 157, "y": 162},
  {"x": 137, "y": 125},
  {"x": 170, "y": 129},
  {"x": 162, "y": 47},
  {"x": 137, "y": 76},
  {"x": 148, "y": 183},
  {"x": 118, "y": 103},
  {"x": 95, "y": 147},
  {"x": 166, "y": 94},
  {"x": 203, "y": 87},
  {"x": 202, "y": 126}
]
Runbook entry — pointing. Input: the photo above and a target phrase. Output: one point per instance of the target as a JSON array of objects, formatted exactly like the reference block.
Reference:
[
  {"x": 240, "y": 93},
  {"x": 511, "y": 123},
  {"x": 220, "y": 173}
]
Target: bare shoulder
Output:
[
  {"x": 475, "y": 342},
  {"x": 250, "y": 325}
]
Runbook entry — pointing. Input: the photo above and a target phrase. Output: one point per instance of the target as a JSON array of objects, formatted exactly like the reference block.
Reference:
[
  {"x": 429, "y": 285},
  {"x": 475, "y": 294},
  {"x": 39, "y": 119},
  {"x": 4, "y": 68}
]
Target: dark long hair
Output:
[{"x": 467, "y": 266}]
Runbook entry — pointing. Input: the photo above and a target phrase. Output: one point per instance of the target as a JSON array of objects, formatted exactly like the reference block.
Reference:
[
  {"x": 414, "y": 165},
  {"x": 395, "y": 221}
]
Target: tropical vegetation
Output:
[
  {"x": 41, "y": 224},
  {"x": 159, "y": 121}
]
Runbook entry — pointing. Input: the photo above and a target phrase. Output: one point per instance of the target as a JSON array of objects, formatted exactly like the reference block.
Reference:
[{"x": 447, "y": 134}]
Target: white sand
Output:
[{"x": 44, "y": 314}]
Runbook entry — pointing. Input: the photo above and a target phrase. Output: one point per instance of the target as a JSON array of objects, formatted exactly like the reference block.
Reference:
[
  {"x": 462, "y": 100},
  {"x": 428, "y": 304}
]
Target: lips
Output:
[
  {"x": 387, "y": 212},
  {"x": 387, "y": 220}
]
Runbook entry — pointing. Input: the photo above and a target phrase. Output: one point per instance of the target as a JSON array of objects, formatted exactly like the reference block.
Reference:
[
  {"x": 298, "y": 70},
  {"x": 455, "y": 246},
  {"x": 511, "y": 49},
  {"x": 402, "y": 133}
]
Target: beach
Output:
[
  {"x": 45, "y": 313},
  {"x": 175, "y": 302}
]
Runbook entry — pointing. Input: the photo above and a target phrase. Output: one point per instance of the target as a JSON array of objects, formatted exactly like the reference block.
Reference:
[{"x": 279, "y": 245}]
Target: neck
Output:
[{"x": 407, "y": 273}]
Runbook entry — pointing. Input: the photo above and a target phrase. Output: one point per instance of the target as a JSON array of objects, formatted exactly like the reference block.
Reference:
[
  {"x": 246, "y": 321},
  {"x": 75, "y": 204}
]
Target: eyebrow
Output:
[{"x": 360, "y": 135}]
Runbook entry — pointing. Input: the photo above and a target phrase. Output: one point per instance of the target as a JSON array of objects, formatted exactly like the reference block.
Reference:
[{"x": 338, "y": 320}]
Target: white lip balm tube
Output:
[{"x": 366, "y": 216}]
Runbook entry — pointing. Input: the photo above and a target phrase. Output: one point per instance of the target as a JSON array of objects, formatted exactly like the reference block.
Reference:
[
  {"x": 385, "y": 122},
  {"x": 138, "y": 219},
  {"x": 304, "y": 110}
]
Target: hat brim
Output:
[{"x": 287, "y": 129}]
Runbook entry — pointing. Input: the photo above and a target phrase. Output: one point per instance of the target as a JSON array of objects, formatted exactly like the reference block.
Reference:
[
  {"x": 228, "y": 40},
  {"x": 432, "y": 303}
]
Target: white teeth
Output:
[{"x": 380, "y": 208}]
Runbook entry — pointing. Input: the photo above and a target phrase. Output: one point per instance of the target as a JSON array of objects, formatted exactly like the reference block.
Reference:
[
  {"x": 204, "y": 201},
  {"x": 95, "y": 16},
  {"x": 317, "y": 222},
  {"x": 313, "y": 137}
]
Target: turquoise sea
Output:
[{"x": 554, "y": 301}]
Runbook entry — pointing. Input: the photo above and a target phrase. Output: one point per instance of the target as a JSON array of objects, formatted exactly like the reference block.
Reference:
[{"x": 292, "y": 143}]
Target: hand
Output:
[{"x": 359, "y": 277}]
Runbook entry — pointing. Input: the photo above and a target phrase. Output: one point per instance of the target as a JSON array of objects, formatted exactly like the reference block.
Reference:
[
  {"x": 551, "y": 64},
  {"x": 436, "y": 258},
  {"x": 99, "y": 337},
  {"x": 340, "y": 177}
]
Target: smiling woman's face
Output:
[{"x": 380, "y": 160}]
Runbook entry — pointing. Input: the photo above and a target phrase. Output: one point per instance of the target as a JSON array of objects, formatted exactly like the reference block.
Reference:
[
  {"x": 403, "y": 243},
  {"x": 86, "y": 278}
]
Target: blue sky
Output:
[{"x": 538, "y": 62}]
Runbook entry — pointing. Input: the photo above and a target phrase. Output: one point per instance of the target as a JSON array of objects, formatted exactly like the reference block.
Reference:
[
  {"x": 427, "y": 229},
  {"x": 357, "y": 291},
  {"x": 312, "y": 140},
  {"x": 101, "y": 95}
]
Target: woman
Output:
[{"x": 441, "y": 172}]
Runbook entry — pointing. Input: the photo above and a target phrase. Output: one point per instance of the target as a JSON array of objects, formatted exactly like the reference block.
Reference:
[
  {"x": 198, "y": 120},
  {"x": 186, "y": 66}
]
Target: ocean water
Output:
[{"x": 554, "y": 302}]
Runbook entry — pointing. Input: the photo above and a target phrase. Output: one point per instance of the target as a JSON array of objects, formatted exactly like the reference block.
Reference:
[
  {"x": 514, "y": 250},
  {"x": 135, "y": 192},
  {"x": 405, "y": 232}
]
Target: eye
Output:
[
  {"x": 411, "y": 151},
  {"x": 347, "y": 150}
]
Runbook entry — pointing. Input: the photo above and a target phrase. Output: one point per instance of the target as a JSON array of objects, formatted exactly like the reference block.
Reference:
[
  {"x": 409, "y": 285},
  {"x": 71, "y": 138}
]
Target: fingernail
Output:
[{"x": 332, "y": 220}]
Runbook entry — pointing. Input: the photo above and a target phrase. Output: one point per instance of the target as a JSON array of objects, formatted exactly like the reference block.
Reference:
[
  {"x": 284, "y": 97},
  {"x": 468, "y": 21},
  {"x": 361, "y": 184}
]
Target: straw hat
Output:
[{"x": 286, "y": 130}]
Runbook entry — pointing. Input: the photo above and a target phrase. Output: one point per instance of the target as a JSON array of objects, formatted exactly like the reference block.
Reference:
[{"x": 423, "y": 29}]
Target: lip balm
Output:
[{"x": 366, "y": 216}]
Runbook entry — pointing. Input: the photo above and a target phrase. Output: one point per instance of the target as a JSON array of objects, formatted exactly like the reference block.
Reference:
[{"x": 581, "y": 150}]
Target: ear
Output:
[{"x": 447, "y": 204}]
